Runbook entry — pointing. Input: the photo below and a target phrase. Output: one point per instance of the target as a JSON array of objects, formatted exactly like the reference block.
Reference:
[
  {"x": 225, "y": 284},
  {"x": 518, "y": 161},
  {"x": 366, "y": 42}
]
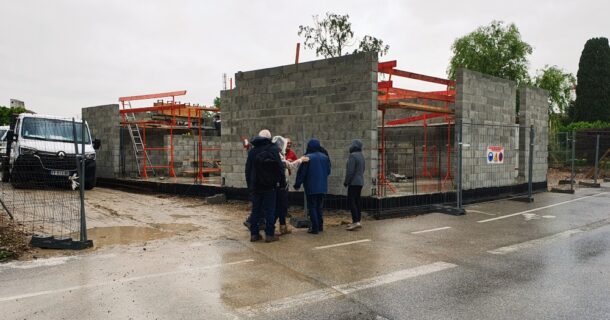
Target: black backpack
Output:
[{"x": 267, "y": 168}]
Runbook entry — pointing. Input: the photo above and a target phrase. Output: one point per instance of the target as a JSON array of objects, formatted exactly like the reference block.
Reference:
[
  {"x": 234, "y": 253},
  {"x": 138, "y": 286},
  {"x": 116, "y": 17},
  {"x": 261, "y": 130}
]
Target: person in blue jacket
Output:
[{"x": 314, "y": 176}]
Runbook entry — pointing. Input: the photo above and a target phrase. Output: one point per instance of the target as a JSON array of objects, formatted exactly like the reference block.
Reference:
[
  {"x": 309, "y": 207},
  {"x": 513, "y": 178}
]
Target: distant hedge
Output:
[{"x": 584, "y": 125}]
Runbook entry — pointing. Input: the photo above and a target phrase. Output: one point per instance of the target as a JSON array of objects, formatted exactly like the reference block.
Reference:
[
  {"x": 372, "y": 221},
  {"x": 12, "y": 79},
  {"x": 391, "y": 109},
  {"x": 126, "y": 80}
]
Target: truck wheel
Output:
[{"x": 90, "y": 184}]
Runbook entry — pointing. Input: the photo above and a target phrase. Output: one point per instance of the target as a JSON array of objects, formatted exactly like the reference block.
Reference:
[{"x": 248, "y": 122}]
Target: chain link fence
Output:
[
  {"x": 578, "y": 159},
  {"x": 42, "y": 185}
]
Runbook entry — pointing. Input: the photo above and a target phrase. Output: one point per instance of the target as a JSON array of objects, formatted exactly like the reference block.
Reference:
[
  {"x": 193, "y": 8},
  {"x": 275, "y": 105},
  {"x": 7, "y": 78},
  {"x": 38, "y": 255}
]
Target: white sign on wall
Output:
[{"x": 495, "y": 155}]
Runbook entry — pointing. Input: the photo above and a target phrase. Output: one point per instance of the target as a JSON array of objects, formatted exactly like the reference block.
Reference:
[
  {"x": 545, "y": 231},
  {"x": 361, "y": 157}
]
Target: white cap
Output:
[{"x": 265, "y": 134}]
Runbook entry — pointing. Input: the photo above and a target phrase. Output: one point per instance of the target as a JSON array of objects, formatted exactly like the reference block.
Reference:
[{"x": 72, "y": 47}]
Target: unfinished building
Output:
[{"x": 463, "y": 135}]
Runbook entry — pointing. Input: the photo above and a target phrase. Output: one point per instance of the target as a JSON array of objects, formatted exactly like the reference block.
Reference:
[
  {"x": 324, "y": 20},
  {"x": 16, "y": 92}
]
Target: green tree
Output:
[
  {"x": 333, "y": 35},
  {"x": 593, "y": 88},
  {"x": 496, "y": 49},
  {"x": 559, "y": 84},
  {"x": 217, "y": 102},
  {"x": 6, "y": 112}
]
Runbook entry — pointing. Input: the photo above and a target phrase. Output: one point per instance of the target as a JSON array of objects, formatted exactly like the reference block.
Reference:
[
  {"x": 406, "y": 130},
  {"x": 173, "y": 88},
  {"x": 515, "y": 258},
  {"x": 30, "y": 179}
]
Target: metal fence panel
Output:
[{"x": 41, "y": 181}]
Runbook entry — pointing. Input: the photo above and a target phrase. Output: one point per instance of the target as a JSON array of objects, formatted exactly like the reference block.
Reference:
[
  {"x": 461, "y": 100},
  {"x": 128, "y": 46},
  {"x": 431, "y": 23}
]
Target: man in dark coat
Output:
[
  {"x": 314, "y": 176},
  {"x": 354, "y": 180},
  {"x": 264, "y": 175}
]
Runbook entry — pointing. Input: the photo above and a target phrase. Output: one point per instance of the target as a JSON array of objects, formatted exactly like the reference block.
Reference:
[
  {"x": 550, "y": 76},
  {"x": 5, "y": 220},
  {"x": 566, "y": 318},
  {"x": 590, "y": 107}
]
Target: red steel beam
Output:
[
  {"x": 415, "y": 118},
  {"x": 155, "y": 108},
  {"x": 422, "y": 77},
  {"x": 153, "y": 96},
  {"x": 413, "y": 106},
  {"x": 410, "y": 94},
  {"x": 386, "y": 66}
]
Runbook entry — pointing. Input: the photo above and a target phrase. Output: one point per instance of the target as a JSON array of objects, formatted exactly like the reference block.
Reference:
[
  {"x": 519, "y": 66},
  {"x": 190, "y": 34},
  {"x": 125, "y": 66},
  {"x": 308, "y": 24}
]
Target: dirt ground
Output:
[
  {"x": 13, "y": 242},
  {"x": 119, "y": 218},
  {"x": 555, "y": 175}
]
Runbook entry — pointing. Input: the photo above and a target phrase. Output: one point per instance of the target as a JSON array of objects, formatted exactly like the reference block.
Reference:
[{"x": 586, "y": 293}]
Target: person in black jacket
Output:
[{"x": 264, "y": 175}]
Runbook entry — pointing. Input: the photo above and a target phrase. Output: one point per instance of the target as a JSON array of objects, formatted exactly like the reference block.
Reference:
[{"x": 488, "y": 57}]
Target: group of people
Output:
[{"x": 269, "y": 164}]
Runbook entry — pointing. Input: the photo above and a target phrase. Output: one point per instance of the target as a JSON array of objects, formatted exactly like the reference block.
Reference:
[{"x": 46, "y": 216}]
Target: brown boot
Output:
[
  {"x": 255, "y": 238},
  {"x": 271, "y": 238},
  {"x": 284, "y": 230}
]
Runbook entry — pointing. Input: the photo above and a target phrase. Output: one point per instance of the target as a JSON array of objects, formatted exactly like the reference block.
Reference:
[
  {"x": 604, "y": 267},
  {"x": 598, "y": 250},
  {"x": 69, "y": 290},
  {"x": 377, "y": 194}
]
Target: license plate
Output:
[{"x": 60, "y": 173}]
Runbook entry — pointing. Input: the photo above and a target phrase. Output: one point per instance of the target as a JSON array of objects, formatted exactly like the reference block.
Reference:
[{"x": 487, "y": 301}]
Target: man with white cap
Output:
[{"x": 264, "y": 175}]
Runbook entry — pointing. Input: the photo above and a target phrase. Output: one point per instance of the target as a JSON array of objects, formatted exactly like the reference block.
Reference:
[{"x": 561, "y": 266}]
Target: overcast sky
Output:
[{"x": 59, "y": 56}]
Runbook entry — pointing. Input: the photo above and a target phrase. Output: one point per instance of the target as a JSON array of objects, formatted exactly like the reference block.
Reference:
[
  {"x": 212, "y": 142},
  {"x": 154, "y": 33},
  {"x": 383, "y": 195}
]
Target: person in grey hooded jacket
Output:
[{"x": 354, "y": 180}]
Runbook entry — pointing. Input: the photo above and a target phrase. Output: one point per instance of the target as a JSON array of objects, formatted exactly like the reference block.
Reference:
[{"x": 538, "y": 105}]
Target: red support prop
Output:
[{"x": 296, "y": 59}]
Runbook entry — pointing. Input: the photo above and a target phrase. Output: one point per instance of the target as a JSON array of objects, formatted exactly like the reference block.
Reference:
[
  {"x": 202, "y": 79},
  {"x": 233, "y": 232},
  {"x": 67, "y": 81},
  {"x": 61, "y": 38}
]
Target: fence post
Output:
[
  {"x": 530, "y": 164},
  {"x": 573, "y": 156},
  {"x": 414, "y": 169},
  {"x": 458, "y": 137},
  {"x": 596, "y": 159},
  {"x": 83, "y": 220}
]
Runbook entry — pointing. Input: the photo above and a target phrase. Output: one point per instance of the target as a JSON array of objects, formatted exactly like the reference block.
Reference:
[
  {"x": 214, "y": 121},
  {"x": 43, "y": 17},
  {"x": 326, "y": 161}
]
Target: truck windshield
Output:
[
  {"x": 52, "y": 130},
  {"x": 2, "y": 134}
]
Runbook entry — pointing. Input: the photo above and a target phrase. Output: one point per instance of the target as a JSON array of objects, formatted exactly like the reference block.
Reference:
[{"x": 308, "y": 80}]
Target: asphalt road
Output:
[{"x": 503, "y": 260}]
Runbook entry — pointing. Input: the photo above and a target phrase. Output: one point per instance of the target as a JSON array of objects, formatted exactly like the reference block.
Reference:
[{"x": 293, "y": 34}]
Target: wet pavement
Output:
[{"x": 169, "y": 258}]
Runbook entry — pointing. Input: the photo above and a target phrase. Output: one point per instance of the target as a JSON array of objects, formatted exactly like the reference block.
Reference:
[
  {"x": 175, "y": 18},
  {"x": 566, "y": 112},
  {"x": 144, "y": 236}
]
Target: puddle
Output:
[
  {"x": 123, "y": 235},
  {"x": 181, "y": 216},
  {"x": 176, "y": 227}
]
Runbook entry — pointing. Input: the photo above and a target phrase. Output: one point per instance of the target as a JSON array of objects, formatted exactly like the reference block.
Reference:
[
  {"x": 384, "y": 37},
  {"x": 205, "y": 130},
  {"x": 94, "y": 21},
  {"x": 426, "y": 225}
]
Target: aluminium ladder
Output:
[{"x": 138, "y": 144}]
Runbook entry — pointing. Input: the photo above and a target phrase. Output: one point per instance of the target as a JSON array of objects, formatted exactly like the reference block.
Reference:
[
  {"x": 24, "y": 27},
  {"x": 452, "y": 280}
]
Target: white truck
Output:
[
  {"x": 3, "y": 132},
  {"x": 41, "y": 149}
]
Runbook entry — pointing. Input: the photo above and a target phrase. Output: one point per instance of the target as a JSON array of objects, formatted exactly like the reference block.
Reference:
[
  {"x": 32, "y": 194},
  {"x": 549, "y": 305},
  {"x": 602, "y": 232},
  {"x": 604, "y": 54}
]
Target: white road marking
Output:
[
  {"x": 122, "y": 280},
  {"x": 535, "y": 242},
  {"x": 343, "y": 289},
  {"x": 531, "y": 216},
  {"x": 431, "y": 230},
  {"x": 341, "y": 244},
  {"x": 49, "y": 262},
  {"x": 541, "y": 208},
  {"x": 549, "y": 217},
  {"x": 477, "y": 211}
]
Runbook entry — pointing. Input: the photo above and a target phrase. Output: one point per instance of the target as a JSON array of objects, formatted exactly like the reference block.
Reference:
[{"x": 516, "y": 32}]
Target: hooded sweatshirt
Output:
[
  {"x": 354, "y": 173},
  {"x": 314, "y": 174},
  {"x": 261, "y": 144},
  {"x": 281, "y": 142}
]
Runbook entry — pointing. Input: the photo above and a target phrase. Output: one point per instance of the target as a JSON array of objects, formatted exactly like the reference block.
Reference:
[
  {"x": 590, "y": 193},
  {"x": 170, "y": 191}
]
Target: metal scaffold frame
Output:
[
  {"x": 390, "y": 97},
  {"x": 173, "y": 109}
]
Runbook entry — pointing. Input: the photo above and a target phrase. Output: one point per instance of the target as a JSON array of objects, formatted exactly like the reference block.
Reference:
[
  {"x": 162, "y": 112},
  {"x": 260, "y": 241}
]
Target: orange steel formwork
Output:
[
  {"x": 174, "y": 109},
  {"x": 390, "y": 97}
]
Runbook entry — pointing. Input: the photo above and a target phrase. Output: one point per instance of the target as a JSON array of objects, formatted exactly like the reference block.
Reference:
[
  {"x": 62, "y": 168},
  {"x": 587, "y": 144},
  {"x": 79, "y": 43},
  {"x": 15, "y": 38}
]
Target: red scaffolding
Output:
[
  {"x": 170, "y": 111},
  {"x": 390, "y": 97}
]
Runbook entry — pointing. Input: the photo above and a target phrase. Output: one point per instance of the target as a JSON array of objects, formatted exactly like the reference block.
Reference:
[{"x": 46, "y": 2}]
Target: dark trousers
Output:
[
  {"x": 281, "y": 208},
  {"x": 263, "y": 205},
  {"x": 353, "y": 200},
  {"x": 314, "y": 204}
]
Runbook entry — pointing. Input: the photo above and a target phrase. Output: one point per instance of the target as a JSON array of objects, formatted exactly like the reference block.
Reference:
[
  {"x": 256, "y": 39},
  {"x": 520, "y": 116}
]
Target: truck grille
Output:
[{"x": 52, "y": 161}]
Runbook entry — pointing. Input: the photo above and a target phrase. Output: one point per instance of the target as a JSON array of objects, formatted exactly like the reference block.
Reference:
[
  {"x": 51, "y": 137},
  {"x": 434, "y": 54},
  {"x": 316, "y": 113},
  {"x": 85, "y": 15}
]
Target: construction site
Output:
[{"x": 411, "y": 138}]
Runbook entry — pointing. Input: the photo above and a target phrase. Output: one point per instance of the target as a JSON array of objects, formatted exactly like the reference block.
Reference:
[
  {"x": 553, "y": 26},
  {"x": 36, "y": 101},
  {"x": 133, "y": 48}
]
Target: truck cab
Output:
[{"x": 46, "y": 150}]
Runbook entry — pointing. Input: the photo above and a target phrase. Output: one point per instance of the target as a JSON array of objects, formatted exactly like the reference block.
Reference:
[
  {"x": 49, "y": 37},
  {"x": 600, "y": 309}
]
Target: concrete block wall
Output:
[
  {"x": 534, "y": 104},
  {"x": 186, "y": 152},
  {"x": 104, "y": 123},
  {"x": 154, "y": 139},
  {"x": 334, "y": 100},
  {"x": 485, "y": 106}
]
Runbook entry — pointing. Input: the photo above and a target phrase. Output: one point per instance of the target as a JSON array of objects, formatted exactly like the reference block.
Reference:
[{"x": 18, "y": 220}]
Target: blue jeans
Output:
[
  {"x": 314, "y": 204},
  {"x": 263, "y": 205},
  {"x": 281, "y": 209}
]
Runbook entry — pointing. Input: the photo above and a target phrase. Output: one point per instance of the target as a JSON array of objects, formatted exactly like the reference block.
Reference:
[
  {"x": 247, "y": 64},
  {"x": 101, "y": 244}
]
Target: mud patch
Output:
[
  {"x": 182, "y": 216},
  {"x": 176, "y": 227},
  {"x": 13, "y": 242},
  {"x": 125, "y": 235},
  {"x": 112, "y": 212}
]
